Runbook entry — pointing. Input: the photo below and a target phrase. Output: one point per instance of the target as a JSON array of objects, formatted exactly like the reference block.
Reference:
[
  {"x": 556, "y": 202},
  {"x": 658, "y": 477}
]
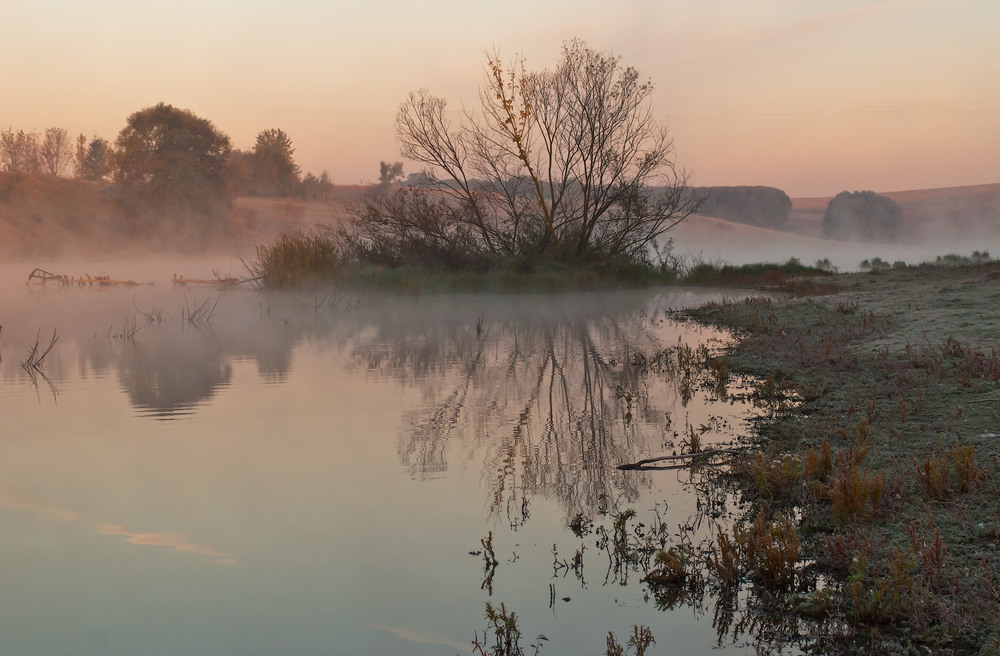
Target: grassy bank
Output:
[{"x": 882, "y": 444}]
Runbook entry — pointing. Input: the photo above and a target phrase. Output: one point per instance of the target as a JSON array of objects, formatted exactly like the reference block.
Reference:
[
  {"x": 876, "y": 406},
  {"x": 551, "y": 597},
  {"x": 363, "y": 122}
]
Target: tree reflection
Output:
[
  {"x": 169, "y": 363},
  {"x": 167, "y": 377},
  {"x": 549, "y": 405}
]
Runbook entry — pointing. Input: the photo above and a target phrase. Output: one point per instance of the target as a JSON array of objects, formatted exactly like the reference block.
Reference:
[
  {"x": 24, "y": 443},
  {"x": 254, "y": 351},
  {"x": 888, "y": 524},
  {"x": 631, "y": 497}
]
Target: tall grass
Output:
[{"x": 296, "y": 260}]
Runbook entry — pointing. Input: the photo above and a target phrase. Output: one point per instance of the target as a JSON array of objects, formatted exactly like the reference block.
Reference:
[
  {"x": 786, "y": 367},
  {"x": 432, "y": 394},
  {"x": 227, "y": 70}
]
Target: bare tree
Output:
[
  {"x": 56, "y": 151},
  {"x": 569, "y": 162},
  {"x": 19, "y": 151}
]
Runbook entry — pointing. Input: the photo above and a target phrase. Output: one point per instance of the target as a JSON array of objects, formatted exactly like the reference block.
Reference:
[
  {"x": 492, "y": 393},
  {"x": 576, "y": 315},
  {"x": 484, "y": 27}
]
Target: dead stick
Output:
[{"x": 709, "y": 452}]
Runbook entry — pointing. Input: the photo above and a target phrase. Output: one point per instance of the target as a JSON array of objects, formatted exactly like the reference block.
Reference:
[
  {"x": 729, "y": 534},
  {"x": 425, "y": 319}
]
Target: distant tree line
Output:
[
  {"x": 29, "y": 152},
  {"x": 168, "y": 168},
  {"x": 766, "y": 207},
  {"x": 153, "y": 147},
  {"x": 849, "y": 216}
]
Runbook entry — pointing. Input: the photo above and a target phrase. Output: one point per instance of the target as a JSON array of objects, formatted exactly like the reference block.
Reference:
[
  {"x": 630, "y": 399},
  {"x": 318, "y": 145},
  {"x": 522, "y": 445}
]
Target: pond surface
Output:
[{"x": 191, "y": 471}]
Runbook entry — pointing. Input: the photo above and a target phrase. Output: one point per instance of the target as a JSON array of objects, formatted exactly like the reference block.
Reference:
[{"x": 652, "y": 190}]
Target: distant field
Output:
[
  {"x": 938, "y": 221},
  {"x": 914, "y": 196}
]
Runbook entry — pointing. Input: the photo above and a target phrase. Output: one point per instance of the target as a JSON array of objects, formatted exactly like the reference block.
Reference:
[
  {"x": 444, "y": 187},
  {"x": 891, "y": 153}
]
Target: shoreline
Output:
[{"x": 885, "y": 414}]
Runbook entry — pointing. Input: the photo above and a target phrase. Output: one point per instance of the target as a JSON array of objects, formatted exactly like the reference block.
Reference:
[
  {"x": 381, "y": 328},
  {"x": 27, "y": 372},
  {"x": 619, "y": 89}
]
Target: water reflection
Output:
[
  {"x": 175, "y": 541},
  {"x": 355, "y": 448},
  {"x": 549, "y": 394},
  {"x": 167, "y": 375},
  {"x": 14, "y": 500},
  {"x": 550, "y": 401}
]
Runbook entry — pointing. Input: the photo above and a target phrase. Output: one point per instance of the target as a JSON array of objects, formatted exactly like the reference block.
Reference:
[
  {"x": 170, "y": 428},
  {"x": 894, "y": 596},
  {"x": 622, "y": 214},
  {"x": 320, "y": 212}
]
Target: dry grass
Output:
[{"x": 882, "y": 447}]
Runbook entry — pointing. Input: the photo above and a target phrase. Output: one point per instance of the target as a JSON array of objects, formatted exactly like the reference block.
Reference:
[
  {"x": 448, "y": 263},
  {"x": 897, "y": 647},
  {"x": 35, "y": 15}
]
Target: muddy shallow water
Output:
[{"x": 191, "y": 471}]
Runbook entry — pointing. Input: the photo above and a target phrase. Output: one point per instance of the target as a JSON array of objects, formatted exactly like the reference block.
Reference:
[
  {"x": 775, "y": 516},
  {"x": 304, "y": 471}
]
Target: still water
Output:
[{"x": 196, "y": 471}]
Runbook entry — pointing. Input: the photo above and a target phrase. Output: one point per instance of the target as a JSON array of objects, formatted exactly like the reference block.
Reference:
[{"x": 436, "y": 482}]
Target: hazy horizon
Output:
[{"x": 811, "y": 98}]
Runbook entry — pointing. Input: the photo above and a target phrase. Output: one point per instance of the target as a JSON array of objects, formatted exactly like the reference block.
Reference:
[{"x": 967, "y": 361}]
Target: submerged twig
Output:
[
  {"x": 644, "y": 464},
  {"x": 36, "y": 360},
  {"x": 34, "y": 374},
  {"x": 155, "y": 315},
  {"x": 201, "y": 314},
  {"x": 127, "y": 332}
]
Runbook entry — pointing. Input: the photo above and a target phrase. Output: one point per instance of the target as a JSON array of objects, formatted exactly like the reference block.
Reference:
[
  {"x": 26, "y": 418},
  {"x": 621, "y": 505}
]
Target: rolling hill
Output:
[{"x": 53, "y": 217}]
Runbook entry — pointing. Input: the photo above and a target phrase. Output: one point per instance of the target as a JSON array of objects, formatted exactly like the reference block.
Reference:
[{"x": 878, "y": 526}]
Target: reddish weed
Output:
[
  {"x": 725, "y": 558},
  {"x": 933, "y": 477},
  {"x": 855, "y": 493},
  {"x": 771, "y": 550}
]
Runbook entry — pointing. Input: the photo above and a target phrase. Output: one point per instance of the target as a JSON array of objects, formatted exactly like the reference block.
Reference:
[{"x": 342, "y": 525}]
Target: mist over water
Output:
[{"x": 307, "y": 473}]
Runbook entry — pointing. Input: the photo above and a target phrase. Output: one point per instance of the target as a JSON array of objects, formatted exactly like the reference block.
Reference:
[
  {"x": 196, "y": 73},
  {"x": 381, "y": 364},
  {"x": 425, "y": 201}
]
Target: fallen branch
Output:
[
  {"x": 644, "y": 464},
  {"x": 218, "y": 281},
  {"x": 105, "y": 281}
]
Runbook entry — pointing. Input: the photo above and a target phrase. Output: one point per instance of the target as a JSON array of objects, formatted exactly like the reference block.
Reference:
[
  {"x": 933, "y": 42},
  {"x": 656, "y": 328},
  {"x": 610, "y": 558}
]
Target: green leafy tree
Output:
[
  {"x": 315, "y": 188},
  {"x": 862, "y": 216},
  {"x": 239, "y": 172},
  {"x": 94, "y": 161},
  {"x": 760, "y": 206},
  {"x": 79, "y": 155},
  {"x": 389, "y": 173},
  {"x": 275, "y": 172},
  {"x": 170, "y": 157}
]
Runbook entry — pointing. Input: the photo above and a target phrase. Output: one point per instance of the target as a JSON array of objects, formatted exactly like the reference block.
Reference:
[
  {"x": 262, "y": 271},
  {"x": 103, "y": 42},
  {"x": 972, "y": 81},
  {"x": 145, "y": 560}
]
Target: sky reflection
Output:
[
  {"x": 348, "y": 460},
  {"x": 177, "y": 541}
]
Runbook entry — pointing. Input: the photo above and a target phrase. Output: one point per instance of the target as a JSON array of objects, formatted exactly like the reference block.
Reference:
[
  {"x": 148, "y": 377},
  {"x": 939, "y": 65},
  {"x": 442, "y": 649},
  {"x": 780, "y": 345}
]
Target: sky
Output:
[{"x": 814, "y": 97}]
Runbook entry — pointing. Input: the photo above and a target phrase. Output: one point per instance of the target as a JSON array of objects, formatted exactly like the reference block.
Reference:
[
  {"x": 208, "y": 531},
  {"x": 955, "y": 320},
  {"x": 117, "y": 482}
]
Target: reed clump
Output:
[
  {"x": 856, "y": 493},
  {"x": 296, "y": 260},
  {"x": 640, "y": 640},
  {"x": 773, "y": 478}
]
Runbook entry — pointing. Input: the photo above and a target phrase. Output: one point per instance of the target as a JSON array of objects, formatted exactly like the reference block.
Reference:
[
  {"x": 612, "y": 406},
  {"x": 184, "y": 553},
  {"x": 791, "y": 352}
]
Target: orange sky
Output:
[{"x": 812, "y": 97}]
